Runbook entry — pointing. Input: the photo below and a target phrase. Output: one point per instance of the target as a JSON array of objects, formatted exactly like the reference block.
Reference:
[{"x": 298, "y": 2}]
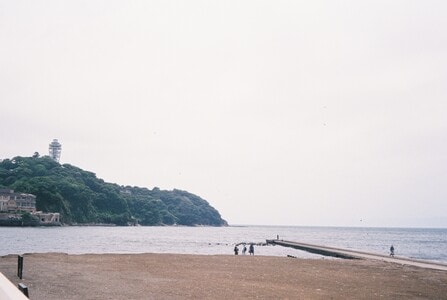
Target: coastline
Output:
[{"x": 185, "y": 276}]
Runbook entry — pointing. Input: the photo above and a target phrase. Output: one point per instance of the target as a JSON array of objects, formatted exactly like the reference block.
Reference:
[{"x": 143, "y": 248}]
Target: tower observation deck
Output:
[{"x": 55, "y": 149}]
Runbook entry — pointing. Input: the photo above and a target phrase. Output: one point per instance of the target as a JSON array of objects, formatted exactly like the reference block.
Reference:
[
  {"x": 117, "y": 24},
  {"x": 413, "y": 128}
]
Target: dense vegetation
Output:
[{"x": 80, "y": 197}]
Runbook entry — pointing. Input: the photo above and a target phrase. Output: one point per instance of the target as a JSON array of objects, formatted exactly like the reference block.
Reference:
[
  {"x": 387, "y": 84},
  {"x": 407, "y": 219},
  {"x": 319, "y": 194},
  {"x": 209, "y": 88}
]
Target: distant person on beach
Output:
[
  {"x": 244, "y": 249},
  {"x": 392, "y": 250},
  {"x": 251, "y": 250},
  {"x": 236, "y": 250}
]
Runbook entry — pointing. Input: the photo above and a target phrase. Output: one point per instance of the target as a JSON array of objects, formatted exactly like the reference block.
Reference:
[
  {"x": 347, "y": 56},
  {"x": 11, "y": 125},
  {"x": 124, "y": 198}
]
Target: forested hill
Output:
[{"x": 81, "y": 197}]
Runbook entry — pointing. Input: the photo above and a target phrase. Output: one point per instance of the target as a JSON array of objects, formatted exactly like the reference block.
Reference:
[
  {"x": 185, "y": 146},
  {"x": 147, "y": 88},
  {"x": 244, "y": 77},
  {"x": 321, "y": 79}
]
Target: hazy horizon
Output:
[{"x": 281, "y": 112}]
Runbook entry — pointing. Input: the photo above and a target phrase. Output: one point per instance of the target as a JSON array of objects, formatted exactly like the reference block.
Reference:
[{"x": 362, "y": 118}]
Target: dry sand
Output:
[{"x": 169, "y": 276}]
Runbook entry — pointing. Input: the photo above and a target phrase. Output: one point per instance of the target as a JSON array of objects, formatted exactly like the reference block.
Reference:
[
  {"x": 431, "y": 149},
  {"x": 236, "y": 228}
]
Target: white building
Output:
[{"x": 55, "y": 149}]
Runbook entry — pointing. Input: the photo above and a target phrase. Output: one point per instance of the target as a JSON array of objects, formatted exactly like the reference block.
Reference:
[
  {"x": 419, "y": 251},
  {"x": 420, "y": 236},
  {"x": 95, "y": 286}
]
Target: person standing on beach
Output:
[
  {"x": 244, "y": 250},
  {"x": 251, "y": 250},
  {"x": 236, "y": 250},
  {"x": 392, "y": 251}
]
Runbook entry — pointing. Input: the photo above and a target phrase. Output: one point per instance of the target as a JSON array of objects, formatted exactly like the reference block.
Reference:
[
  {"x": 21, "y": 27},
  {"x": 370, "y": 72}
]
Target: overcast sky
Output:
[{"x": 275, "y": 112}]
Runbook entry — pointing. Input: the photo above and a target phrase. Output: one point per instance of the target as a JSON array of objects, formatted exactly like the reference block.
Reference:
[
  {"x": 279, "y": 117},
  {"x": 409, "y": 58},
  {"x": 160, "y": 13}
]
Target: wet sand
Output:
[{"x": 173, "y": 276}]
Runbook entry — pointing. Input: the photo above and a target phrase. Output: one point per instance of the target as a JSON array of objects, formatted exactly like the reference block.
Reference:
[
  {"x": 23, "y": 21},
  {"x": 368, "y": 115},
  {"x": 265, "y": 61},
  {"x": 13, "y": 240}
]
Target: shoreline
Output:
[
  {"x": 424, "y": 245},
  {"x": 190, "y": 276}
]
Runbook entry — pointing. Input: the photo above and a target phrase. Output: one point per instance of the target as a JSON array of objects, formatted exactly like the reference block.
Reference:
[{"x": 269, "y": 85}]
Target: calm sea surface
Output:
[{"x": 428, "y": 244}]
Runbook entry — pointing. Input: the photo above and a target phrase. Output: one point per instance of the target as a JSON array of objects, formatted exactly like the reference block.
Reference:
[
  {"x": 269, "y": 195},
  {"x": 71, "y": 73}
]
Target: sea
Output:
[{"x": 419, "y": 243}]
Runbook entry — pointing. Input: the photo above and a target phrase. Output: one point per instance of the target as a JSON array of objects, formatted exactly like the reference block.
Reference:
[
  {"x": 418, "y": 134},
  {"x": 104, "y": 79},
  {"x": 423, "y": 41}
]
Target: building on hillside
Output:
[
  {"x": 12, "y": 205},
  {"x": 16, "y": 202}
]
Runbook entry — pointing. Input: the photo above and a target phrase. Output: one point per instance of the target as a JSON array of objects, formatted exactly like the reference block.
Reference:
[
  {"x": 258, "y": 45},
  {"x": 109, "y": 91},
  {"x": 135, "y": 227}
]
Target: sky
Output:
[{"x": 314, "y": 113}]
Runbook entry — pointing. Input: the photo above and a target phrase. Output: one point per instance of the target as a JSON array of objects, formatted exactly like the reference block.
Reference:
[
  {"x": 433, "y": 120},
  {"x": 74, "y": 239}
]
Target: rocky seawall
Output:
[{"x": 42, "y": 219}]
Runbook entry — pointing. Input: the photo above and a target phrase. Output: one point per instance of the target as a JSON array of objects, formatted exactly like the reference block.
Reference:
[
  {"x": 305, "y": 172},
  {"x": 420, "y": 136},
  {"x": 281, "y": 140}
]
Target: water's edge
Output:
[{"x": 418, "y": 243}]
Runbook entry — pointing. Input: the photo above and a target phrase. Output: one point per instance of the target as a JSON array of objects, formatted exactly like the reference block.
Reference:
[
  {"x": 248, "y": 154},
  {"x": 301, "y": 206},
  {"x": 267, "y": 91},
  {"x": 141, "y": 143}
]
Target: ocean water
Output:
[{"x": 419, "y": 243}]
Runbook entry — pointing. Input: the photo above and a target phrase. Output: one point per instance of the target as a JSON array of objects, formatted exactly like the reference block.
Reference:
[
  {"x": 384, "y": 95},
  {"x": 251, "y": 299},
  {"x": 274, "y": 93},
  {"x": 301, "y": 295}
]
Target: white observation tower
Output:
[{"x": 55, "y": 150}]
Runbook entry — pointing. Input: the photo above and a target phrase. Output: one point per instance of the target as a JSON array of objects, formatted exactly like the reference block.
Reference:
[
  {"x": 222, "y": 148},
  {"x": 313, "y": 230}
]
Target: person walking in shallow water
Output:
[
  {"x": 392, "y": 251},
  {"x": 251, "y": 250}
]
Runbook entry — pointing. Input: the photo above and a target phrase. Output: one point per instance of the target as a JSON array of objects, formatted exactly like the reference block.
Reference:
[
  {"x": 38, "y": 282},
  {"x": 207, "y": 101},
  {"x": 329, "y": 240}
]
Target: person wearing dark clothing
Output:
[
  {"x": 251, "y": 250},
  {"x": 392, "y": 250},
  {"x": 236, "y": 250},
  {"x": 244, "y": 250}
]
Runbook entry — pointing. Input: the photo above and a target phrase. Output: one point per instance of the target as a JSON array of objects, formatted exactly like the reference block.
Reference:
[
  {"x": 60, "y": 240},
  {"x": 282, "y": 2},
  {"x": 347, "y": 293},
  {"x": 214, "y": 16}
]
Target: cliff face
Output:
[{"x": 80, "y": 197}]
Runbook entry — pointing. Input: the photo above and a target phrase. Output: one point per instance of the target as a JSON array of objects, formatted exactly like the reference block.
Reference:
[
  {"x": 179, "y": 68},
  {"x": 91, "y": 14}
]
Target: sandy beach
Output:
[{"x": 172, "y": 276}]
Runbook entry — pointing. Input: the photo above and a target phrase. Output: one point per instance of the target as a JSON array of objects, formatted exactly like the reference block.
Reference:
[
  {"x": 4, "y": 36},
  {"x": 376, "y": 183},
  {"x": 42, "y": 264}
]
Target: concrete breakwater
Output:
[
  {"x": 321, "y": 250},
  {"x": 355, "y": 254}
]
